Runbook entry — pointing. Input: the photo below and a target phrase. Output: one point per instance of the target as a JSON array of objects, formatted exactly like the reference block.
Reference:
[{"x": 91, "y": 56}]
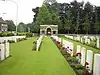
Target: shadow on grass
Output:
[
  {"x": 5, "y": 58},
  {"x": 34, "y": 48}
]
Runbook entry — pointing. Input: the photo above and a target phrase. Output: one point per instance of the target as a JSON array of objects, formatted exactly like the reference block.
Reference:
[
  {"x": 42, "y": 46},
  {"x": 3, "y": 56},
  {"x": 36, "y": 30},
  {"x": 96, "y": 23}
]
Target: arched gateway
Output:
[{"x": 48, "y": 29}]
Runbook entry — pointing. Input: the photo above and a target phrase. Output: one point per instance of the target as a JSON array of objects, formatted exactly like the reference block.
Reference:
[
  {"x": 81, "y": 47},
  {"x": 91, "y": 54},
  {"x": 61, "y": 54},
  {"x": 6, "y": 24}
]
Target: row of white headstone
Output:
[
  {"x": 87, "y": 39},
  {"x": 39, "y": 41},
  {"x": 56, "y": 38},
  {"x": 14, "y": 38},
  {"x": 66, "y": 44},
  {"x": 4, "y": 51},
  {"x": 87, "y": 56},
  {"x": 69, "y": 46}
]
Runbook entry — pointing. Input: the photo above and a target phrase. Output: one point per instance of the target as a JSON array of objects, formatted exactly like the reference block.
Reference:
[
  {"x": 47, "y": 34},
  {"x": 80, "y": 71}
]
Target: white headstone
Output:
[
  {"x": 89, "y": 59},
  {"x": 59, "y": 39},
  {"x": 2, "y": 52},
  {"x": 81, "y": 40},
  {"x": 88, "y": 41},
  {"x": 69, "y": 46},
  {"x": 98, "y": 42},
  {"x": 96, "y": 70},
  {"x": 7, "y": 49},
  {"x": 78, "y": 49},
  {"x": 83, "y": 53},
  {"x": 39, "y": 42},
  {"x": 78, "y": 37}
]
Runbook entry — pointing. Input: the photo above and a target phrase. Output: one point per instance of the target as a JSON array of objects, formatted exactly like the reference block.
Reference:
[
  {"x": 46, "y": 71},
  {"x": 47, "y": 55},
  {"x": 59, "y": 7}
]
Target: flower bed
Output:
[{"x": 72, "y": 60}]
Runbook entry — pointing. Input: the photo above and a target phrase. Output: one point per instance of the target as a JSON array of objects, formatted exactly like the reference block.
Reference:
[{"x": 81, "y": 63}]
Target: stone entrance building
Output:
[{"x": 48, "y": 29}]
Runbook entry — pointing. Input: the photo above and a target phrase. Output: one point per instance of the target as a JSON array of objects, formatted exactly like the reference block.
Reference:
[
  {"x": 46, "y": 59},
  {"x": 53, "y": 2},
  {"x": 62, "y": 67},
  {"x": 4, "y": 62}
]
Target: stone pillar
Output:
[
  {"x": 52, "y": 32},
  {"x": 56, "y": 32},
  {"x": 45, "y": 32}
]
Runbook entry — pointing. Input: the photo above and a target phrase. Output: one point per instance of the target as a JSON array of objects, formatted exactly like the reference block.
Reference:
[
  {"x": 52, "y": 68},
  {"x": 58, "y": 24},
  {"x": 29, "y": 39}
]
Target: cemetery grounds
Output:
[{"x": 24, "y": 61}]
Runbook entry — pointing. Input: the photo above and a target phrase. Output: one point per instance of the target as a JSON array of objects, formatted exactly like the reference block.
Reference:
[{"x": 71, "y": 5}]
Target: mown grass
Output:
[{"x": 24, "y": 61}]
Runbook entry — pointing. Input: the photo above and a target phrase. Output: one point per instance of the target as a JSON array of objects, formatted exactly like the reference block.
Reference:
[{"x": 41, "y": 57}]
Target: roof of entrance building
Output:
[{"x": 50, "y": 25}]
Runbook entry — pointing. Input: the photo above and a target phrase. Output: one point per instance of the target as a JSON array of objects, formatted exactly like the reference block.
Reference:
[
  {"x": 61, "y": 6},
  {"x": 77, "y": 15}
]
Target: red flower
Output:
[
  {"x": 86, "y": 63},
  {"x": 79, "y": 54},
  {"x": 63, "y": 48},
  {"x": 58, "y": 42}
]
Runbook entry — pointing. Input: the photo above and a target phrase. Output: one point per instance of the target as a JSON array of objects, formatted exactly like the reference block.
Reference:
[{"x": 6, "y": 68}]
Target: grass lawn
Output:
[
  {"x": 24, "y": 61},
  {"x": 78, "y": 43}
]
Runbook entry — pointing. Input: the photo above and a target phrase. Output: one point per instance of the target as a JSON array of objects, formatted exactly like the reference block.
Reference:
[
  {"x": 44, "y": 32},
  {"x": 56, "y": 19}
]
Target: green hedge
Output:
[
  {"x": 29, "y": 34},
  {"x": 21, "y": 34},
  {"x": 4, "y": 34}
]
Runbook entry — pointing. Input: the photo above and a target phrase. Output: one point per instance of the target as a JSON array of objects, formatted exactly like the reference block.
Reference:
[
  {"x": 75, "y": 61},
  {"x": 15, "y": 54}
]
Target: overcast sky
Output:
[{"x": 25, "y": 14}]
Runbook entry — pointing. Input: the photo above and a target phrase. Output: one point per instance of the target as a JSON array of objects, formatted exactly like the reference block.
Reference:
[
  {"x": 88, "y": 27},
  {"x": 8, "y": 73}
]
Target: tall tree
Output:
[
  {"x": 55, "y": 20},
  {"x": 87, "y": 24},
  {"x": 21, "y": 27},
  {"x": 11, "y": 25},
  {"x": 68, "y": 22},
  {"x": 77, "y": 25},
  {"x": 76, "y": 8},
  {"x": 97, "y": 24},
  {"x": 30, "y": 27},
  {"x": 51, "y": 11},
  {"x": 49, "y": 1},
  {"x": 44, "y": 17}
]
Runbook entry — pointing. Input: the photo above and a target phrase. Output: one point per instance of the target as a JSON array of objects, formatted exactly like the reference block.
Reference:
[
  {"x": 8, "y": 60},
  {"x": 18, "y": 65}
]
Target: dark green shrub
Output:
[
  {"x": 59, "y": 46},
  {"x": 10, "y": 34},
  {"x": 79, "y": 66},
  {"x": 72, "y": 59},
  {"x": 92, "y": 44},
  {"x": 21, "y": 34},
  {"x": 63, "y": 52},
  {"x": 80, "y": 72},
  {"x": 5, "y": 34},
  {"x": 34, "y": 45},
  {"x": 29, "y": 34}
]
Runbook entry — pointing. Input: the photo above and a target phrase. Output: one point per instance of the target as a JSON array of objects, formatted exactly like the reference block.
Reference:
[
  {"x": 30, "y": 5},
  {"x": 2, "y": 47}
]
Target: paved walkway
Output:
[{"x": 24, "y": 61}]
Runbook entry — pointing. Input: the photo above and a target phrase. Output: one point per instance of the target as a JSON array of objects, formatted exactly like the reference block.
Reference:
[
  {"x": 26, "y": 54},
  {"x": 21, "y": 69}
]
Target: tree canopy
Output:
[
  {"x": 73, "y": 17},
  {"x": 11, "y": 25}
]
